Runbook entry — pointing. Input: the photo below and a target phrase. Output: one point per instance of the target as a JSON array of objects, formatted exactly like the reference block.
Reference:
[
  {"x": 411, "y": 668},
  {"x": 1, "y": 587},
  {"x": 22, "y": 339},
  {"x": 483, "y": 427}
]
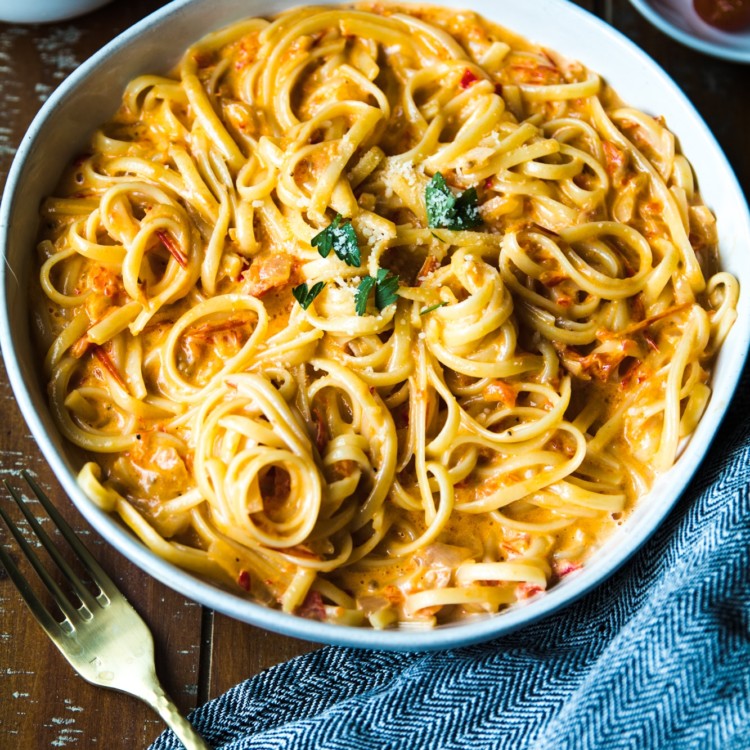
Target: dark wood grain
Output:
[
  {"x": 240, "y": 650},
  {"x": 43, "y": 704}
]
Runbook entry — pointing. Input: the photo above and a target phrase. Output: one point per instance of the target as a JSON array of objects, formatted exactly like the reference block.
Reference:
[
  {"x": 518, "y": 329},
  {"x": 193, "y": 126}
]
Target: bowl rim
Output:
[
  {"x": 706, "y": 46},
  {"x": 447, "y": 636}
]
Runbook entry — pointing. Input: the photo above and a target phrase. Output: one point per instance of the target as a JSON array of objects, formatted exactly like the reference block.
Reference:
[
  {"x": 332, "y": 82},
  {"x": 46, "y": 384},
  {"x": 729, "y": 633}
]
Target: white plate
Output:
[
  {"x": 678, "y": 19},
  {"x": 91, "y": 95}
]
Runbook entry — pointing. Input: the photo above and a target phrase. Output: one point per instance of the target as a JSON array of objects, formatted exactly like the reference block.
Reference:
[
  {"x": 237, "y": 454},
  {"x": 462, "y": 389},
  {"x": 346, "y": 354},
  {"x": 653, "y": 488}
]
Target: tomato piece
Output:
[
  {"x": 468, "y": 78},
  {"x": 728, "y": 15}
]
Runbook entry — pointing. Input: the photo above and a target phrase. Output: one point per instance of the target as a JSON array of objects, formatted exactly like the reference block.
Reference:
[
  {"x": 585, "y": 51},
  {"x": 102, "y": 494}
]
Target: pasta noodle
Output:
[{"x": 378, "y": 314}]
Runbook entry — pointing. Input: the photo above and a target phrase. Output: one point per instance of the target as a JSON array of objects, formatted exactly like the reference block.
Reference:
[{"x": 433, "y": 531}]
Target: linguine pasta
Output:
[{"x": 379, "y": 314}]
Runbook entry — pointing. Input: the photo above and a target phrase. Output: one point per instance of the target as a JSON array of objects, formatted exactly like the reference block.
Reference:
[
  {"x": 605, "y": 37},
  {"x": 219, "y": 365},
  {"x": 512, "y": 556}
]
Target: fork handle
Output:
[{"x": 157, "y": 698}]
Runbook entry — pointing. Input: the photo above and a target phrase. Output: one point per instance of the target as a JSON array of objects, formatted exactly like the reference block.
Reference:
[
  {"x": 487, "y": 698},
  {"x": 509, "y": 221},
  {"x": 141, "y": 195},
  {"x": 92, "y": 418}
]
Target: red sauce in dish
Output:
[{"x": 729, "y": 15}]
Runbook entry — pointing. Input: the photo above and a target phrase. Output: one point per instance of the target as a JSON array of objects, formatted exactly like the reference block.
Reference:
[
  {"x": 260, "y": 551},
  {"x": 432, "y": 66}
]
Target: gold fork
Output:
[{"x": 103, "y": 637}]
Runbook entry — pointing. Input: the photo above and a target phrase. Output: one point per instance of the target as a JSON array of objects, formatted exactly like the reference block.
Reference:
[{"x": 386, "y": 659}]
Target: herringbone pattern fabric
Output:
[{"x": 658, "y": 657}]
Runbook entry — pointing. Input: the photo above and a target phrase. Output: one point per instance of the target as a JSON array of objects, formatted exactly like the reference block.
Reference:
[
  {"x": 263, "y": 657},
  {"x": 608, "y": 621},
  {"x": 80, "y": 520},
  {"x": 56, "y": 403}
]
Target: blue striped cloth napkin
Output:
[{"x": 658, "y": 657}]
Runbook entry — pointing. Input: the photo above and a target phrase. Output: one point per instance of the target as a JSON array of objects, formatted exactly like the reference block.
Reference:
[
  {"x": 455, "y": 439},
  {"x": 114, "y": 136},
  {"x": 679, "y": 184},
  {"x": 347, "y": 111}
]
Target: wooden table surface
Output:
[{"x": 200, "y": 654}]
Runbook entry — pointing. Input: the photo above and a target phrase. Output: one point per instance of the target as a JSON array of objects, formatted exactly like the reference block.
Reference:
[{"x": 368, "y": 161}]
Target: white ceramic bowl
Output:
[
  {"x": 45, "y": 11},
  {"x": 92, "y": 94},
  {"x": 678, "y": 19}
]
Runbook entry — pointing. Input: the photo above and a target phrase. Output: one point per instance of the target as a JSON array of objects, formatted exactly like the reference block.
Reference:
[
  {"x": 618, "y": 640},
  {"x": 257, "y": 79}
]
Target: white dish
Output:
[
  {"x": 91, "y": 95},
  {"x": 678, "y": 19},
  {"x": 45, "y": 11}
]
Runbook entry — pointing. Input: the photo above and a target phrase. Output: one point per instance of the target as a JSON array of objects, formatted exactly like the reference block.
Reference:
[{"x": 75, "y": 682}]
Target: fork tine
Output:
[
  {"x": 100, "y": 578},
  {"x": 49, "y": 582},
  {"x": 49, "y": 623},
  {"x": 81, "y": 592}
]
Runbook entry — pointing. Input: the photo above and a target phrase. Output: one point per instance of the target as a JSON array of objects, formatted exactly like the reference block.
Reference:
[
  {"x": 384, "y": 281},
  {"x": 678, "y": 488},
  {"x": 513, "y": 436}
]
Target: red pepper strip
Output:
[
  {"x": 101, "y": 354},
  {"x": 173, "y": 248}
]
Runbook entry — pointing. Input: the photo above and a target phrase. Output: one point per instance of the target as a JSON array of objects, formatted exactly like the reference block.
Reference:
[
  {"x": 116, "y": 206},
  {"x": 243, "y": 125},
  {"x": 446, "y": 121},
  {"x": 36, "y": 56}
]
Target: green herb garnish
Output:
[
  {"x": 362, "y": 293},
  {"x": 305, "y": 296},
  {"x": 448, "y": 211},
  {"x": 340, "y": 238},
  {"x": 432, "y": 307},
  {"x": 386, "y": 288}
]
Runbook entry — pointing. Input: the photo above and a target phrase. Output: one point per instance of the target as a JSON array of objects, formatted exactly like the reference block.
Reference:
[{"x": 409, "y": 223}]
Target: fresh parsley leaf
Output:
[
  {"x": 362, "y": 293},
  {"x": 324, "y": 240},
  {"x": 467, "y": 209},
  {"x": 448, "y": 211},
  {"x": 386, "y": 288},
  {"x": 340, "y": 238},
  {"x": 439, "y": 201},
  {"x": 305, "y": 296},
  {"x": 432, "y": 307},
  {"x": 346, "y": 247}
]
